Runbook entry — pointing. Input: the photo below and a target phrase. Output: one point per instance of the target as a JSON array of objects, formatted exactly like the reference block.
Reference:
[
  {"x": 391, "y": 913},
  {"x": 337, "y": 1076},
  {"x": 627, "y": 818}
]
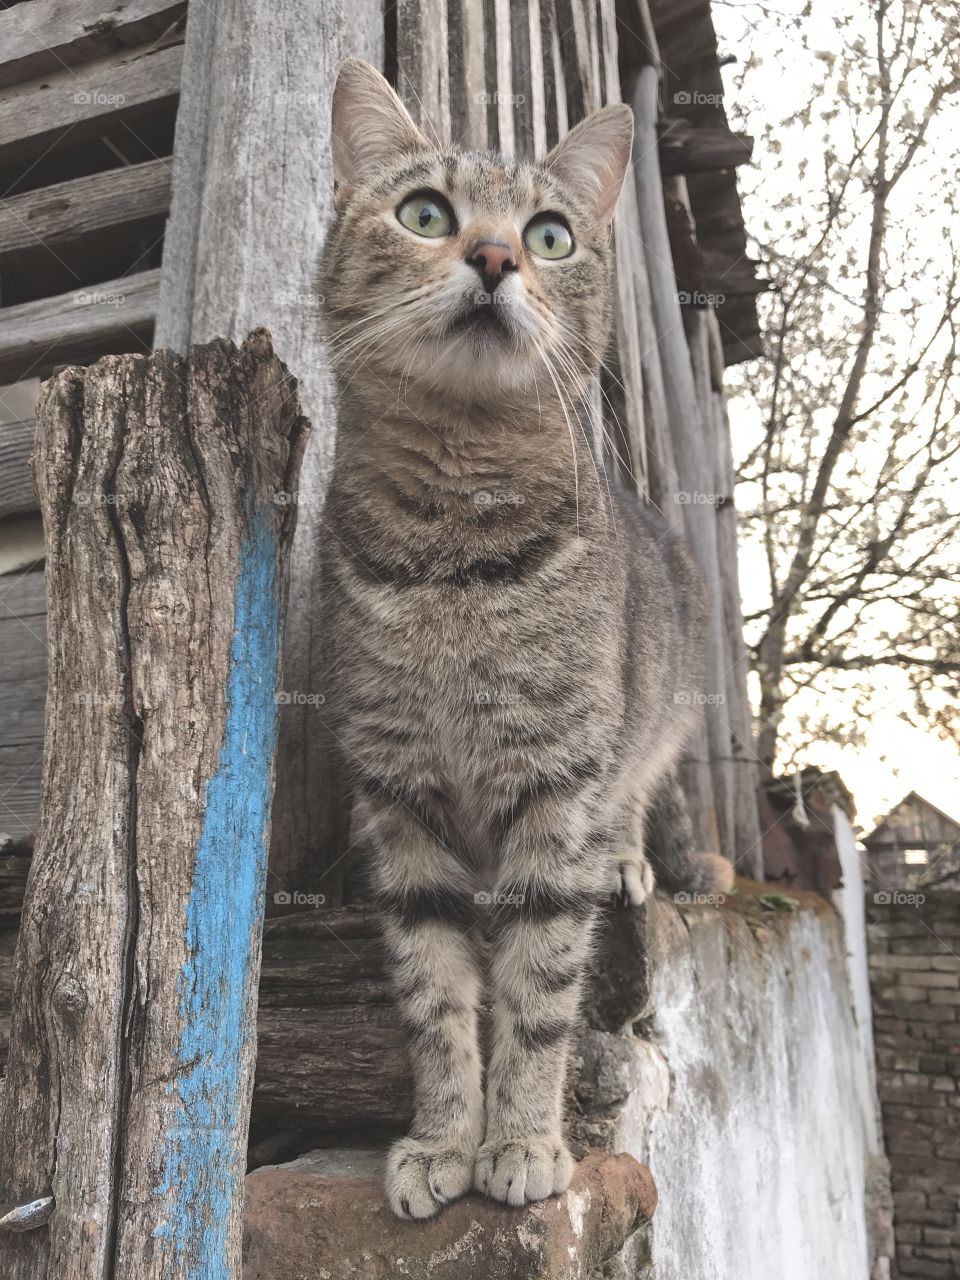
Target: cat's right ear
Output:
[{"x": 370, "y": 126}]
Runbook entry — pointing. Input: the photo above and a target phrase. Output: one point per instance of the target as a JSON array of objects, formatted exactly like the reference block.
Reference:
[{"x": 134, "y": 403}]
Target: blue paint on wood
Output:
[{"x": 205, "y": 1155}]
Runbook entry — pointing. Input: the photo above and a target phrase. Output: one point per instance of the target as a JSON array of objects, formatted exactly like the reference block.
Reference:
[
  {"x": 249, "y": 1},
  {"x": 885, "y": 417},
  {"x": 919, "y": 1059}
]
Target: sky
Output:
[{"x": 894, "y": 757}]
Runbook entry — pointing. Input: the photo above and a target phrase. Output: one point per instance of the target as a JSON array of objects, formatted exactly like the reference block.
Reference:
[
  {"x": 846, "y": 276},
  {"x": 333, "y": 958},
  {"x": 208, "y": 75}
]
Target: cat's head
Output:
[{"x": 466, "y": 273}]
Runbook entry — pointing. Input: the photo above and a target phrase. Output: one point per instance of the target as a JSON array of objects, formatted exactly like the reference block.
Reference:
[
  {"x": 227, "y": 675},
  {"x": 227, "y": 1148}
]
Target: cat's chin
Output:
[{"x": 471, "y": 364}]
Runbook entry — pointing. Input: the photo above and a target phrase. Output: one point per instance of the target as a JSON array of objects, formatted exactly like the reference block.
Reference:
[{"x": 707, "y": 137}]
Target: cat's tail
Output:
[{"x": 678, "y": 866}]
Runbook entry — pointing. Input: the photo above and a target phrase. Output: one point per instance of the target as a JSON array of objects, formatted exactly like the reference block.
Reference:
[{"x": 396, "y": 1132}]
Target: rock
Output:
[{"x": 324, "y": 1217}]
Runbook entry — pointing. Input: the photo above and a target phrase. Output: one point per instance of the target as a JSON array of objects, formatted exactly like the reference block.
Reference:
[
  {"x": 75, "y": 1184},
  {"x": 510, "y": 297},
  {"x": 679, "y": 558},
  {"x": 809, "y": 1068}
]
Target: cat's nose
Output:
[{"x": 493, "y": 259}]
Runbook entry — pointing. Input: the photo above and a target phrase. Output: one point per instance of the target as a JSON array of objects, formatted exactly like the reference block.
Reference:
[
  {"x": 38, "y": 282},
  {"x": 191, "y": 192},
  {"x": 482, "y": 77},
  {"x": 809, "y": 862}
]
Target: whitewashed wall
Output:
[{"x": 752, "y": 1101}]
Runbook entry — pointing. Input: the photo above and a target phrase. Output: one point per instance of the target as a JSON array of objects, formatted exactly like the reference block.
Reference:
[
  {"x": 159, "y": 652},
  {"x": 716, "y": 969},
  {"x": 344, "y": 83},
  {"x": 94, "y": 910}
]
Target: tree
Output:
[{"x": 849, "y": 430}]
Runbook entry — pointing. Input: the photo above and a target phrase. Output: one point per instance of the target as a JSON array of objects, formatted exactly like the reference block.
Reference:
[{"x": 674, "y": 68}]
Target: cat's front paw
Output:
[
  {"x": 633, "y": 880},
  {"x": 522, "y": 1170},
  {"x": 422, "y": 1177}
]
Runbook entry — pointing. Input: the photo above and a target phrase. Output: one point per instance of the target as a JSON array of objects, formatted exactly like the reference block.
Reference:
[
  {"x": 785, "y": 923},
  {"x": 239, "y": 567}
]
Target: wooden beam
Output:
[
  {"x": 56, "y": 34},
  {"x": 114, "y": 316},
  {"x": 17, "y": 494},
  {"x": 685, "y": 148},
  {"x": 81, "y": 210},
  {"x": 688, "y": 432},
  {"x": 745, "y": 765},
  {"x": 467, "y": 71},
  {"x": 20, "y": 774},
  {"x": 256, "y": 88},
  {"x": 23, "y": 676},
  {"x": 330, "y": 1047},
  {"x": 132, "y": 1040},
  {"x": 554, "y": 82},
  {"x": 88, "y": 102},
  {"x": 636, "y": 37},
  {"x": 423, "y": 70}
]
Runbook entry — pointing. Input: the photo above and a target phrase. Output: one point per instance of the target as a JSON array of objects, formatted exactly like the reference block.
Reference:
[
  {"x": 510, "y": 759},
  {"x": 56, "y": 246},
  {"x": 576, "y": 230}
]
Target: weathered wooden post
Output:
[{"x": 133, "y": 1036}]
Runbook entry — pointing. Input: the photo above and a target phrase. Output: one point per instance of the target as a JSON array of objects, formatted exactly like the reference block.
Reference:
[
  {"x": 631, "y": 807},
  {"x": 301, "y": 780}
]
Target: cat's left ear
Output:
[
  {"x": 369, "y": 125},
  {"x": 593, "y": 158}
]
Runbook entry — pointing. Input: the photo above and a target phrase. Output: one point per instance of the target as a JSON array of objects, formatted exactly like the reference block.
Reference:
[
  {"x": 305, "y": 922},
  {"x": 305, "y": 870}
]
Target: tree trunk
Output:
[{"x": 133, "y": 1036}]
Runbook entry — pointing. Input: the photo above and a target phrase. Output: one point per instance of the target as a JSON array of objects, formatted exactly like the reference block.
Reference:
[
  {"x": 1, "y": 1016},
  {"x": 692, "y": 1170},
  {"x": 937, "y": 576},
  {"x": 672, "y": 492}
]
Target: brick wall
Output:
[{"x": 914, "y": 949}]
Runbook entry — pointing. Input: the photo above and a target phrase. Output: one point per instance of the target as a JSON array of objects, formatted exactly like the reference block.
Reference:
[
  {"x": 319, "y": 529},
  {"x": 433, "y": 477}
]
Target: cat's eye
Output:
[
  {"x": 548, "y": 236},
  {"x": 426, "y": 213}
]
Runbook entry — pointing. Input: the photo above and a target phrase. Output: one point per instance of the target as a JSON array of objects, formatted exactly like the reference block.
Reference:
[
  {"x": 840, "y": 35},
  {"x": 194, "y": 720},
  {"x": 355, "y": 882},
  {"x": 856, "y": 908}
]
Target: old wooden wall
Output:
[{"x": 249, "y": 177}]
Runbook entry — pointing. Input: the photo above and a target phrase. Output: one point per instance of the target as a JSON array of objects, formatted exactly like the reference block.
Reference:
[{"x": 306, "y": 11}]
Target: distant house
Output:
[{"x": 916, "y": 844}]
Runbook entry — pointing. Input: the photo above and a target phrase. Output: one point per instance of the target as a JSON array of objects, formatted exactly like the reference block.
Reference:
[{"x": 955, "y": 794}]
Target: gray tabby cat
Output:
[{"x": 517, "y": 647}]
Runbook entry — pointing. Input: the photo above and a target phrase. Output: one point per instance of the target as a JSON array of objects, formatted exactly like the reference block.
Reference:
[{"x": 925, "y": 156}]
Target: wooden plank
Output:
[
  {"x": 555, "y": 88},
  {"x": 133, "y": 1032},
  {"x": 326, "y": 1014},
  {"x": 659, "y": 464},
  {"x": 609, "y": 51},
  {"x": 20, "y": 784},
  {"x": 527, "y": 125},
  {"x": 745, "y": 764},
  {"x": 692, "y": 455},
  {"x": 423, "y": 75},
  {"x": 624, "y": 392},
  {"x": 117, "y": 315},
  {"x": 50, "y": 35},
  {"x": 23, "y": 632},
  {"x": 227, "y": 267},
  {"x": 468, "y": 105},
  {"x": 504, "y": 97},
  {"x": 21, "y": 712},
  {"x": 16, "y": 483},
  {"x": 688, "y": 148},
  {"x": 86, "y": 103},
  {"x": 577, "y": 55},
  {"x": 704, "y": 478},
  {"x": 82, "y": 209}
]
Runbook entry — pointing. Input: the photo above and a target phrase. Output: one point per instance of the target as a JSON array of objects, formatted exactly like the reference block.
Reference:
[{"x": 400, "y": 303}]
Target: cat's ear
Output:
[
  {"x": 592, "y": 159},
  {"x": 370, "y": 126}
]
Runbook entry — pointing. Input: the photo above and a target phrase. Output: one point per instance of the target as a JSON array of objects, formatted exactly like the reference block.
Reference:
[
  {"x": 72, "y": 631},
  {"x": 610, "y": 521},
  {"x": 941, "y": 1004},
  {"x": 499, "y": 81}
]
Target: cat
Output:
[{"x": 516, "y": 644}]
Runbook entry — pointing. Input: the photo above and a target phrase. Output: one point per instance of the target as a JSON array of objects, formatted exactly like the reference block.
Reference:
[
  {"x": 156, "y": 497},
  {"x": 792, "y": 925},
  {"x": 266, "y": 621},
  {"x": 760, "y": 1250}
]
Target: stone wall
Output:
[
  {"x": 746, "y": 1088},
  {"x": 914, "y": 947}
]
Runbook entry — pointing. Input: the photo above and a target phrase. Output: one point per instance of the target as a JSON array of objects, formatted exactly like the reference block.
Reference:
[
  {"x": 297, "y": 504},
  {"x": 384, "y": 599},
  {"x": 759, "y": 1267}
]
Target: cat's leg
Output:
[
  {"x": 629, "y": 875},
  {"x": 633, "y": 878},
  {"x": 428, "y": 912},
  {"x": 543, "y": 919}
]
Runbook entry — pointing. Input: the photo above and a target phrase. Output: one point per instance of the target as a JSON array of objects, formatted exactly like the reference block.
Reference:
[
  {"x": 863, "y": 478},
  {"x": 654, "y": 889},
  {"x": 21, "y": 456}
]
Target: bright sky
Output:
[{"x": 894, "y": 757}]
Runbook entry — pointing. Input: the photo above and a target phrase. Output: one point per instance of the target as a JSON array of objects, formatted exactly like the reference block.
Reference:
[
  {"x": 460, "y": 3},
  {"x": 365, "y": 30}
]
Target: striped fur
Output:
[{"x": 517, "y": 648}]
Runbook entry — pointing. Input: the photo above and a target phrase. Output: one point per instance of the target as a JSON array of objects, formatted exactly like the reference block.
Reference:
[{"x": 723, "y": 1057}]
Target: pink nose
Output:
[{"x": 493, "y": 259}]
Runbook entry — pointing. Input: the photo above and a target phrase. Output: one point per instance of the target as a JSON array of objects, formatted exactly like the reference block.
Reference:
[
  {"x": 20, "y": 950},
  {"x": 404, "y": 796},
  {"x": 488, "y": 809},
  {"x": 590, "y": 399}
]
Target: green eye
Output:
[
  {"x": 427, "y": 215},
  {"x": 548, "y": 236}
]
